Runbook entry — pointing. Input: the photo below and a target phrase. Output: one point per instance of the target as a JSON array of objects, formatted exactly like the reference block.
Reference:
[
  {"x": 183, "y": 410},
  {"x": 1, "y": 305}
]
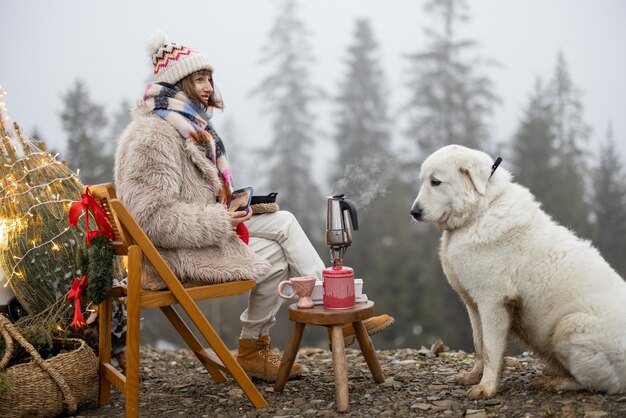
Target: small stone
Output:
[
  {"x": 298, "y": 402},
  {"x": 437, "y": 347},
  {"x": 290, "y": 411},
  {"x": 404, "y": 377},
  {"x": 423, "y": 351},
  {"x": 492, "y": 402},
  {"x": 568, "y": 411},
  {"x": 445, "y": 404},
  {"x": 476, "y": 413},
  {"x": 236, "y": 392},
  {"x": 595, "y": 414},
  {"x": 421, "y": 406}
]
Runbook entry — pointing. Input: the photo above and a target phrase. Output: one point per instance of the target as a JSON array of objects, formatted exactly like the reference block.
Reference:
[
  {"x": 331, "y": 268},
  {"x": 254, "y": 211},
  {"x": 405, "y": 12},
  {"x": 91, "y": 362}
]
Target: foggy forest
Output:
[{"x": 450, "y": 99}]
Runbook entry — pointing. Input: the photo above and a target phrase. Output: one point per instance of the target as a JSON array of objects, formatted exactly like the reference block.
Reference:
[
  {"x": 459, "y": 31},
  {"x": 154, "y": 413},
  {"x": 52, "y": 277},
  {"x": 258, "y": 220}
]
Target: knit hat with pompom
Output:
[{"x": 173, "y": 62}]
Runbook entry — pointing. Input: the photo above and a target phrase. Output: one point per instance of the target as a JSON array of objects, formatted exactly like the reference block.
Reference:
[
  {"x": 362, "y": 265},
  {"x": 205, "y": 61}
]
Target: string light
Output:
[
  {"x": 13, "y": 271},
  {"x": 27, "y": 171},
  {"x": 26, "y": 159},
  {"x": 30, "y": 188},
  {"x": 69, "y": 201}
]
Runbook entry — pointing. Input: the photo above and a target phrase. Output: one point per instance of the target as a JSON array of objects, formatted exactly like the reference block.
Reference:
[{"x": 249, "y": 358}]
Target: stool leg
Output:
[
  {"x": 367, "y": 348},
  {"x": 340, "y": 368},
  {"x": 289, "y": 357}
]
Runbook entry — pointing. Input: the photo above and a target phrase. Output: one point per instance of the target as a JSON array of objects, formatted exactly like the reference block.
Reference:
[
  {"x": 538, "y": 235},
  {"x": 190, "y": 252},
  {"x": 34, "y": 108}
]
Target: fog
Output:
[{"x": 47, "y": 45}]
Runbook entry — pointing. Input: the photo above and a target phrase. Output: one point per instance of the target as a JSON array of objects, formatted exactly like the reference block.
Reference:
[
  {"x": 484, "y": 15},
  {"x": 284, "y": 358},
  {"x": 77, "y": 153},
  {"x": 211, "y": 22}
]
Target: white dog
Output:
[{"x": 517, "y": 270}]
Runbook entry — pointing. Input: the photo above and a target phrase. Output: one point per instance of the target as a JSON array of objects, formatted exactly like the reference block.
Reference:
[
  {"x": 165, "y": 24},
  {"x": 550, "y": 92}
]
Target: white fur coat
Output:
[{"x": 170, "y": 187}]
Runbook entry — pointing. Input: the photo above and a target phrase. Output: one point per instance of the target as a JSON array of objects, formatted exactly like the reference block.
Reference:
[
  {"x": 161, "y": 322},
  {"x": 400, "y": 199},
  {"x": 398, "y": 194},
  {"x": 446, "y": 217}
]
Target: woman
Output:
[{"x": 172, "y": 173}]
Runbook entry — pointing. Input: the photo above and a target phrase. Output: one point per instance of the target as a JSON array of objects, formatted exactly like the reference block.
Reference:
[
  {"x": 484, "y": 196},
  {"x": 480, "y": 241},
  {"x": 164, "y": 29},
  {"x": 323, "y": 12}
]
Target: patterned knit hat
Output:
[{"x": 173, "y": 62}]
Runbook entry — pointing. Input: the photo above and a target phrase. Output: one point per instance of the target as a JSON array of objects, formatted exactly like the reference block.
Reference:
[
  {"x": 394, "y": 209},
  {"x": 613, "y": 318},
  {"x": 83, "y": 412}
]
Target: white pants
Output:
[{"x": 279, "y": 239}]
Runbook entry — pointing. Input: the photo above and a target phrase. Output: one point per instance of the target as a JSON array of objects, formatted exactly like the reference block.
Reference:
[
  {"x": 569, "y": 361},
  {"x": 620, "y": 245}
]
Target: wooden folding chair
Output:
[{"x": 131, "y": 241}]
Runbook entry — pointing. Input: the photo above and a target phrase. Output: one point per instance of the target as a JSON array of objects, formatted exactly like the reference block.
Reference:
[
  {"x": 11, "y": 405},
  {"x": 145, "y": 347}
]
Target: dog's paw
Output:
[
  {"x": 481, "y": 391},
  {"x": 467, "y": 378}
]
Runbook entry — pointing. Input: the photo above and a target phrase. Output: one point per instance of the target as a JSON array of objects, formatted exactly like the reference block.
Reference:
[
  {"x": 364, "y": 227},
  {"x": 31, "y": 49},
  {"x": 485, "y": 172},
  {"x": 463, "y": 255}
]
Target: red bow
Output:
[
  {"x": 77, "y": 290},
  {"x": 88, "y": 203}
]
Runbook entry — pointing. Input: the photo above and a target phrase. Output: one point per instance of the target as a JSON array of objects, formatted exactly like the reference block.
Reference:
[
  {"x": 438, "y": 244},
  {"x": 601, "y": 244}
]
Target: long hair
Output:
[{"x": 187, "y": 85}]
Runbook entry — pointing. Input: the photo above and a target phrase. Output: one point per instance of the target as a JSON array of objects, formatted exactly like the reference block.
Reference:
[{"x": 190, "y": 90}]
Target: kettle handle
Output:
[{"x": 347, "y": 204}]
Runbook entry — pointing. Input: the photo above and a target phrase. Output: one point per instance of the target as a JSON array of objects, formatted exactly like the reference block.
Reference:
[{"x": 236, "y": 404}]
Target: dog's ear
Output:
[{"x": 477, "y": 176}]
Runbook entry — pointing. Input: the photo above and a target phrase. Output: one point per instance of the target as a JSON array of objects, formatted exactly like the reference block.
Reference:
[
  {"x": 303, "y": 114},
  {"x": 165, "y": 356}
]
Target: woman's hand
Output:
[{"x": 240, "y": 216}]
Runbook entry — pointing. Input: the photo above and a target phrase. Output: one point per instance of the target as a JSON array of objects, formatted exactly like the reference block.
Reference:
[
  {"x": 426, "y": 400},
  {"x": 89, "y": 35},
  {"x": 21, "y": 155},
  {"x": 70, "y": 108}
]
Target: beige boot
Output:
[{"x": 258, "y": 361}]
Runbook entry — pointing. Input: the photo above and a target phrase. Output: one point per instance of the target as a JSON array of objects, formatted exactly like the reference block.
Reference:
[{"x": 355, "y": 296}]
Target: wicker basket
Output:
[{"x": 46, "y": 388}]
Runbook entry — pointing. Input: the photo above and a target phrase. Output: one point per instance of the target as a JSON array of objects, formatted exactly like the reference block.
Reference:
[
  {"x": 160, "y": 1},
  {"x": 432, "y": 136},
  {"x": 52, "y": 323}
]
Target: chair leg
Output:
[
  {"x": 340, "y": 368},
  {"x": 289, "y": 357},
  {"x": 222, "y": 352},
  {"x": 192, "y": 342},
  {"x": 104, "y": 349},
  {"x": 367, "y": 348},
  {"x": 133, "y": 311}
]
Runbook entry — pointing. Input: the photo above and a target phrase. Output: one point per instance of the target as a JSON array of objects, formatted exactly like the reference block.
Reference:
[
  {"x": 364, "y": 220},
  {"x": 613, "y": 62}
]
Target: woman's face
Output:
[{"x": 203, "y": 83}]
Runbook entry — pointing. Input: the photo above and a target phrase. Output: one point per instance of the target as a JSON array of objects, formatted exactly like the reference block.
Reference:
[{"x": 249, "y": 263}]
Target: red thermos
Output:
[{"x": 338, "y": 288}]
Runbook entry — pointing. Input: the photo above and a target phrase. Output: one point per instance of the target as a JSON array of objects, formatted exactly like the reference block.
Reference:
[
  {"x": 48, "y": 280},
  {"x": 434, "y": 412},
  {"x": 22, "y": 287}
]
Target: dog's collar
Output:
[{"x": 495, "y": 165}]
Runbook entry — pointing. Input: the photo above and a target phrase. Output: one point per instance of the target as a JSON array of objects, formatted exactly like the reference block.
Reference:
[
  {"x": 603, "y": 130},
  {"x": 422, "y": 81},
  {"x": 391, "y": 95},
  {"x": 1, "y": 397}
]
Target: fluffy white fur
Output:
[
  {"x": 156, "y": 41},
  {"x": 171, "y": 188},
  {"x": 519, "y": 271}
]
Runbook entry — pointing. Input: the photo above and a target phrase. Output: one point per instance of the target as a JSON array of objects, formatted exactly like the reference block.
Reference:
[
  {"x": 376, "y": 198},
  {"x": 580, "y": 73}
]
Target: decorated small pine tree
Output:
[{"x": 38, "y": 249}]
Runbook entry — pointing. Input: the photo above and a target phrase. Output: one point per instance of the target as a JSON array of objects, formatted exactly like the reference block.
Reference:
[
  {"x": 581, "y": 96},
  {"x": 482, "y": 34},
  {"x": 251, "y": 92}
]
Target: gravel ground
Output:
[{"x": 418, "y": 383}]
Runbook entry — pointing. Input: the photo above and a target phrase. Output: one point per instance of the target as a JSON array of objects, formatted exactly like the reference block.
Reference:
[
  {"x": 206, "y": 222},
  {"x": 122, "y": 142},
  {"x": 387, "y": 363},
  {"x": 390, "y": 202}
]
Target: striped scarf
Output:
[{"x": 190, "y": 120}]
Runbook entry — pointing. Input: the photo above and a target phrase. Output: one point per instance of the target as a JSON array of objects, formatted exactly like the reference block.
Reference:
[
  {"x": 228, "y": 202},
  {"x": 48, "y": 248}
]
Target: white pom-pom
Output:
[{"x": 156, "y": 41}]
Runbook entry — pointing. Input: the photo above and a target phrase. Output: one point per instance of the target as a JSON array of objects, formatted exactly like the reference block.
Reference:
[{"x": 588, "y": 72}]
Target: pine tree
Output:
[
  {"x": 572, "y": 135},
  {"x": 450, "y": 100},
  {"x": 287, "y": 95},
  {"x": 609, "y": 201},
  {"x": 37, "y": 248},
  {"x": 84, "y": 122},
  {"x": 535, "y": 154},
  {"x": 362, "y": 135}
]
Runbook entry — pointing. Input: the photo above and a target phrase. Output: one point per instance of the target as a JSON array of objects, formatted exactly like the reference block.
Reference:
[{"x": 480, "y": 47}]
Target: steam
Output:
[{"x": 365, "y": 180}]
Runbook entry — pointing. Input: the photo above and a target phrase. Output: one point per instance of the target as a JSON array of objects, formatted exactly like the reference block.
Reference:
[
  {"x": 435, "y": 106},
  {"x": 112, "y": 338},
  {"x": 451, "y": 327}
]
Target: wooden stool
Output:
[{"x": 334, "y": 319}]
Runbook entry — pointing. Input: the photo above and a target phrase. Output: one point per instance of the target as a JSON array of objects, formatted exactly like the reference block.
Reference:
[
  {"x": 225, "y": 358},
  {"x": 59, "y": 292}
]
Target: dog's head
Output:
[{"x": 454, "y": 182}]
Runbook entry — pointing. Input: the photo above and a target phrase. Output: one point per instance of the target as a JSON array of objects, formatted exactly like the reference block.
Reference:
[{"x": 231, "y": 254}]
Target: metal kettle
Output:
[{"x": 341, "y": 220}]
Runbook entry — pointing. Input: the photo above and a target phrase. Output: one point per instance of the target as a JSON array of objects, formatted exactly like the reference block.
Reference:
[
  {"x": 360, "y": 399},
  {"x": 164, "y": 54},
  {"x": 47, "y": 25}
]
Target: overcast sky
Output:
[{"x": 46, "y": 45}]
